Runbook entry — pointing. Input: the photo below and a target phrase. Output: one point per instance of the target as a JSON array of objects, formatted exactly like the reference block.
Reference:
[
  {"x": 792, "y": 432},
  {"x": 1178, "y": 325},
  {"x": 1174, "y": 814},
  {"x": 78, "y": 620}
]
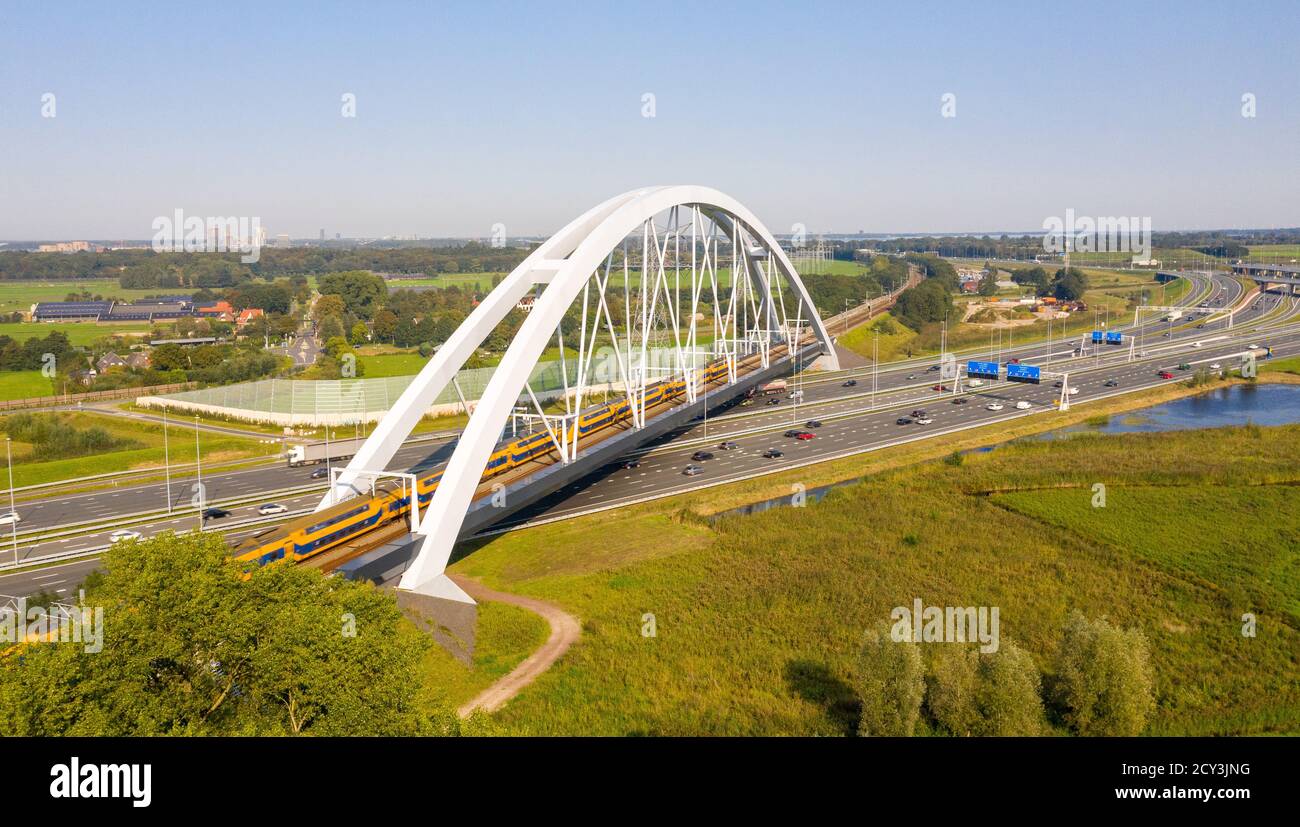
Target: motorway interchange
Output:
[{"x": 853, "y": 419}]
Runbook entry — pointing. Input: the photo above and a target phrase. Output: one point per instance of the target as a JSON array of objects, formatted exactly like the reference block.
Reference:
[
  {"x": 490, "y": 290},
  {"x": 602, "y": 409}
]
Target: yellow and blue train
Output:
[{"x": 320, "y": 531}]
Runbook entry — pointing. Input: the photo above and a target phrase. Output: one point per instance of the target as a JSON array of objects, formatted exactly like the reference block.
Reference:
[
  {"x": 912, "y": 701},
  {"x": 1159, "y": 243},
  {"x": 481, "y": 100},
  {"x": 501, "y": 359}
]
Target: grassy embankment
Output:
[
  {"x": 758, "y": 618},
  {"x": 31, "y": 470}
]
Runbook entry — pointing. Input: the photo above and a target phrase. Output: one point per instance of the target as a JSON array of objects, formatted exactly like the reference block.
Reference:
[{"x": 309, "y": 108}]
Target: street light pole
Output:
[
  {"x": 198, "y": 470},
  {"x": 167, "y": 466},
  {"x": 875, "y": 361},
  {"x": 9, "y": 457}
]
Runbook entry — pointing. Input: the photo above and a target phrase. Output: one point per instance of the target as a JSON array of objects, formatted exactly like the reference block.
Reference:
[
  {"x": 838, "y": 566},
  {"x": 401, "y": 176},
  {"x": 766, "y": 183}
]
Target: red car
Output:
[
  {"x": 805, "y": 436},
  {"x": 1164, "y": 374},
  {"x": 939, "y": 388}
]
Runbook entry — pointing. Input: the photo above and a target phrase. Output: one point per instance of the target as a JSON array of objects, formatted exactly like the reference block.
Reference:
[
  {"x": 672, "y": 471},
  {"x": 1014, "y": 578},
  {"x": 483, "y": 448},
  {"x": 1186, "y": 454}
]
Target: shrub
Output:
[
  {"x": 1007, "y": 694},
  {"x": 891, "y": 684},
  {"x": 1104, "y": 678},
  {"x": 950, "y": 693}
]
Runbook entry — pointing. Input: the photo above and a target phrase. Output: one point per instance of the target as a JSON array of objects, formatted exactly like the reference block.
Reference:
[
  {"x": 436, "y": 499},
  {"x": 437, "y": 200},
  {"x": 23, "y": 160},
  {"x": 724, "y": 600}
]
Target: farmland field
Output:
[
  {"x": 24, "y": 384},
  {"x": 79, "y": 333},
  {"x": 21, "y": 295}
]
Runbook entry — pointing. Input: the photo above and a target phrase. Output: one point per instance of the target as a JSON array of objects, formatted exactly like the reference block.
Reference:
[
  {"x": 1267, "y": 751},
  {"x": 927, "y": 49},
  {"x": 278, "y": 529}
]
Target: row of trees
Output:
[
  {"x": 145, "y": 269},
  {"x": 1102, "y": 684}
]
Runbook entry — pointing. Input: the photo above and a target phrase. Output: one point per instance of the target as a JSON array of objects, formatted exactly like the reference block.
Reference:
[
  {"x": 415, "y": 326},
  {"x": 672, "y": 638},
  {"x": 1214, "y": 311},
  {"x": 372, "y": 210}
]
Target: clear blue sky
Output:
[{"x": 526, "y": 114}]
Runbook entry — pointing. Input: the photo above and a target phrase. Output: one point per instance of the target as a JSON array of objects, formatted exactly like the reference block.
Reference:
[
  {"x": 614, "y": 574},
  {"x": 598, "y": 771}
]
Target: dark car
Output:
[
  {"x": 852, "y": 383},
  {"x": 903, "y": 420},
  {"x": 701, "y": 456},
  {"x": 773, "y": 453},
  {"x": 215, "y": 513},
  {"x": 960, "y": 400},
  {"x": 792, "y": 432},
  {"x": 774, "y": 401},
  {"x": 632, "y": 463},
  {"x": 320, "y": 473},
  {"x": 1112, "y": 383},
  {"x": 728, "y": 446},
  {"x": 933, "y": 367},
  {"x": 813, "y": 423}
]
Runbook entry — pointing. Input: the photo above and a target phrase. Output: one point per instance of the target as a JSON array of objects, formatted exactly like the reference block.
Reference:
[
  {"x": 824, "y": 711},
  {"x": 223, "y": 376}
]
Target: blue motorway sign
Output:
[
  {"x": 1114, "y": 338},
  {"x": 1023, "y": 373},
  {"x": 982, "y": 370},
  {"x": 1096, "y": 337}
]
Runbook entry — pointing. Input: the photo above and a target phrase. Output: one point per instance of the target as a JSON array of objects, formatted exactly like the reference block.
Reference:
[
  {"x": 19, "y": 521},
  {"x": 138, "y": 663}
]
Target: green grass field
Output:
[
  {"x": 758, "y": 619},
  {"x": 79, "y": 333},
  {"x": 21, "y": 295},
  {"x": 24, "y": 384},
  {"x": 213, "y": 447}
]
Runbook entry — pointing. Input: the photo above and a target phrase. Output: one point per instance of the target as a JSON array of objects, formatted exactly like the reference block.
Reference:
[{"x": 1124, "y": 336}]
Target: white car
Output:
[
  {"x": 975, "y": 383},
  {"x": 123, "y": 534},
  {"x": 994, "y": 406},
  {"x": 925, "y": 420},
  {"x": 271, "y": 508},
  {"x": 1196, "y": 344},
  {"x": 10, "y": 518},
  {"x": 1022, "y": 405},
  {"x": 1252, "y": 347},
  {"x": 1073, "y": 391},
  {"x": 1216, "y": 366}
]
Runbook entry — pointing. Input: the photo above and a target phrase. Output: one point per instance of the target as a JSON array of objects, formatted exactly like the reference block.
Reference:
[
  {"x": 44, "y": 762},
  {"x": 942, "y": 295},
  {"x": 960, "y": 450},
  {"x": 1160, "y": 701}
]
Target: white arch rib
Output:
[{"x": 563, "y": 264}]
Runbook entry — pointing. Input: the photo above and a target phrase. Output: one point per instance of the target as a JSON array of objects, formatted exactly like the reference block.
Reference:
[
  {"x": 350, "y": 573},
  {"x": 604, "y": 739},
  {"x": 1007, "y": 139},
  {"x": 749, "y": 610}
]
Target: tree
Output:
[
  {"x": 359, "y": 335},
  {"x": 1104, "y": 682},
  {"x": 951, "y": 688},
  {"x": 361, "y": 292},
  {"x": 1069, "y": 285},
  {"x": 325, "y": 306},
  {"x": 191, "y": 647},
  {"x": 385, "y": 325},
  {"x": 1007, "y": 694},
  {"x": 331, "y": 327},
  {"x": 891, "y": 685},
  {"x": 169, "y": 357}
]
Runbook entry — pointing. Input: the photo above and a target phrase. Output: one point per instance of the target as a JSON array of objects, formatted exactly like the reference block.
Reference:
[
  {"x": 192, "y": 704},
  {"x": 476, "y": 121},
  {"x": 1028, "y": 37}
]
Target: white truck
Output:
[{"x": 307, "y": 453}]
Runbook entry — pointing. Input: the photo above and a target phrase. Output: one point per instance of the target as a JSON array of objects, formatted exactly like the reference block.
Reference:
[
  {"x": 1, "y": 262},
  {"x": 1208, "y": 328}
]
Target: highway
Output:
[{"x": 850, "y": 425}]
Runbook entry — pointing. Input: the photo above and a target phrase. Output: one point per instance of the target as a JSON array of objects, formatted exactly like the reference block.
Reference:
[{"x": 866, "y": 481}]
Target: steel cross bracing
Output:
[{"x": 660, "y": 253}]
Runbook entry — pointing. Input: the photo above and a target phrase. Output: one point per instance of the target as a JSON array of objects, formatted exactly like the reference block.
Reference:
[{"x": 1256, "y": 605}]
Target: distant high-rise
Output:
[
  {"x": 338, "y": 236},
  {"x": 322, "y": 234}
]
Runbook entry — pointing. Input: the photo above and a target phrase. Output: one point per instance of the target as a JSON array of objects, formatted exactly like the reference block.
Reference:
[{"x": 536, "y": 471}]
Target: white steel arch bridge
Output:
[{"x": 685, "y": 271}]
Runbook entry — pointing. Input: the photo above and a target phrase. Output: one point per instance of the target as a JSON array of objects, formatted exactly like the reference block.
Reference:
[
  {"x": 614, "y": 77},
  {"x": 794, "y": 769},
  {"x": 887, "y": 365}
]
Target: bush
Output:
[
  {"x": 891, "y": 684},
  {"x": 1007, "y": 694},
  {"x": 1104, "y": 678},
  {"x": 950, "y": 694},
  {"x": 996, "y": 694}
]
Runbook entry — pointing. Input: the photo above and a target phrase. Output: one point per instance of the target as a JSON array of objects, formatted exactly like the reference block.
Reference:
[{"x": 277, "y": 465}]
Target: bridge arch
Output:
[{"x": 562, "y": 268}]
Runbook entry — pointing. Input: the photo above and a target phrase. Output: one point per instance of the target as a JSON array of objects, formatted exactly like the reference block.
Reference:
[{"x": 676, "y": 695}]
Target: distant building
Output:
[
  {"x": 247, "y": 315},
  {"x": 526, "y": 303},
  {"x": 69, "y": 311},
  {"x": 64, "y": 247},
  {"x": 221, "y": 311},
  {"x": 108, "y": 361},
  {"x": 138, "y": 360}
]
